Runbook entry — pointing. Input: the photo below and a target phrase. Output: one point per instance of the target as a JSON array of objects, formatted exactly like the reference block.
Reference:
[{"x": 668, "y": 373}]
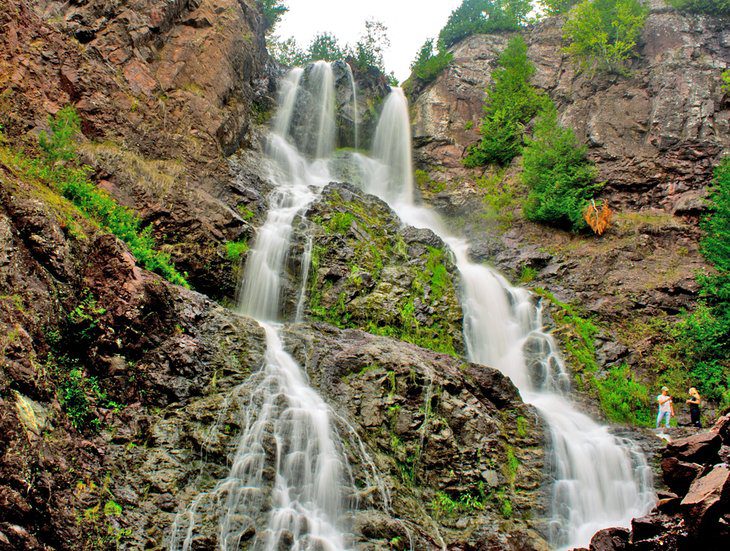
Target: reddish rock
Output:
[
  {"x": 610, "y": 539},
  {"x": 679, "y": 475},
  {"x": 707, "y": 499},
  {"x": 647, "y": 527},
  {"x": 700, "y": 448},
  {"x": 722, "y": 427}
]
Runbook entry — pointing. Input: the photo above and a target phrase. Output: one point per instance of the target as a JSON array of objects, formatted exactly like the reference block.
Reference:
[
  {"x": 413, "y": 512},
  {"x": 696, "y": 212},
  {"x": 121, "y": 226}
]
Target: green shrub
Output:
[
  {"x": 429, "y": 64},
  {"x": 712, "y": 7},
  {"x": 726, "y": 81},
  {"x": 556, "y": 7},
  {"x": 59, "y": 145},
  {"x": 58, "y": 169},
  {"x": 623, "y": 399},
  {"x": 511, "y": 103},
  {"x": 272, "y": 11},
  {"x": 483, "y": 16},
  {"x": 558, "y": 175},
  {"x": 602, "y": 34}
]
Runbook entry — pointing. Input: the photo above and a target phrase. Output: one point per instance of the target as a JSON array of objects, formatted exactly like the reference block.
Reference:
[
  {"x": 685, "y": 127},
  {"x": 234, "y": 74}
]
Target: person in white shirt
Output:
[{"x": 666, "y": 409}]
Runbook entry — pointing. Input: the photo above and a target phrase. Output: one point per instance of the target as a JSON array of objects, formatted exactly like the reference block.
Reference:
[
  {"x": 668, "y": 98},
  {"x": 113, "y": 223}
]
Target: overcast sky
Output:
[{"x": 410, "y": 23}]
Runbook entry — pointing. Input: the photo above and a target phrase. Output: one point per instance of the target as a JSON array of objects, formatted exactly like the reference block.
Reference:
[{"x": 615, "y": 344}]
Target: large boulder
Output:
[
  {"x": 679, "y": 475},
  {"x": 610, "y": 539},
  {"x": 700, "y": 448},
  {"x": 722, "y": 427},
  {"x": 708, "y": 498}
]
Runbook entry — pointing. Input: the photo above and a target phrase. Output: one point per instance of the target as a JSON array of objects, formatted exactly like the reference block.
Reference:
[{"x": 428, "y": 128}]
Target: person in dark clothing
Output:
[{"x": 694, "y": 407}]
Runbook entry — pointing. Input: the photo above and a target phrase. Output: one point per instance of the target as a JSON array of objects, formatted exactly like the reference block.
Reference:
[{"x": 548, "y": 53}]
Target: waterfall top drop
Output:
[{"x": 392, "y": 147}]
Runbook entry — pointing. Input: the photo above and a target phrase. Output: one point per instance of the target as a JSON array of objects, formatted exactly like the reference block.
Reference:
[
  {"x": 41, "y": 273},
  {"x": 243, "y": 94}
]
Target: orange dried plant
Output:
[{"x": 598, "y": 219}]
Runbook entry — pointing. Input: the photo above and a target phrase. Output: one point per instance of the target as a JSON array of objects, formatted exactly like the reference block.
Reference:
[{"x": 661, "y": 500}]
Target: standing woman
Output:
[{"x": 694, "y": 407}]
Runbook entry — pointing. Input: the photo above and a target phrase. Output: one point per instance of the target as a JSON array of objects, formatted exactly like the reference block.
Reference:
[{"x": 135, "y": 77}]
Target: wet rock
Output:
[
  {"x": 722, "y": 427},
  {"x": 705, "y": 501},
  {"x": 700, "y": 448},
  {"x": 610, "y": 539},
  {"x": 679, "y": 475}
]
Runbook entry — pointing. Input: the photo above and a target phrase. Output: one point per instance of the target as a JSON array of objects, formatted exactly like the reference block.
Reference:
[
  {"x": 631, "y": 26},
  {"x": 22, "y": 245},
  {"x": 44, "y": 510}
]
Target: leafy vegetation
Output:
[
  {"x": 511, "y": 103},
  {"x": 708, "y": 327},
  {"x": 602, "y": 34},
  {"x": 726, "y": 81},
  {"x": 624, "y": 399},
  {"x": 369, "y": 49},
  {"x": 712, "y": 7},
  {"x": 236, "y": 249},
  {"x": 272, "y": 10},
  {"x": 558, "y": 174},
  {"x": 430, "y": 63},
  {"x": 483, "y": 16},
  {"x": 556, "y": 7},
  {"x": 58, "y": 167},
  {"x": 326, "y": 47}
]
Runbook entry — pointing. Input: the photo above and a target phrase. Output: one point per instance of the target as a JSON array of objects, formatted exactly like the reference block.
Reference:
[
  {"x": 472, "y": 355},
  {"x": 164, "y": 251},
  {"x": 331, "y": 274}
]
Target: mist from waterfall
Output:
[{"x": 600, "y": 480}]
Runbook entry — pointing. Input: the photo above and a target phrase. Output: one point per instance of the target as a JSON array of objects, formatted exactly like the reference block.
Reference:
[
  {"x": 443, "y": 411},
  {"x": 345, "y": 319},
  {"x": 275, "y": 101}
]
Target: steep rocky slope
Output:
[
  {"x": 165, "y": 90},
  {"x": 119, "y": 392},
  {"x": 655, "y": 135}
]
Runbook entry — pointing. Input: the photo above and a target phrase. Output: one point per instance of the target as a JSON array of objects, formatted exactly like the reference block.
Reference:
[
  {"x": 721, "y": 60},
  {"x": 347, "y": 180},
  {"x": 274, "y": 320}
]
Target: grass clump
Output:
[
  {"x": 58, "y": 168},
  {"x": 236, "y": 249}
]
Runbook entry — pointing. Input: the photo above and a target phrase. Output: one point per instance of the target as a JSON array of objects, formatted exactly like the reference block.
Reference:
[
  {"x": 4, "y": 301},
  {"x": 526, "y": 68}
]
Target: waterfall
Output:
[
  {"x": 355, "y": 116},
  {"x": 600, "y": 481},
  {"x": 288, "y": 474}
]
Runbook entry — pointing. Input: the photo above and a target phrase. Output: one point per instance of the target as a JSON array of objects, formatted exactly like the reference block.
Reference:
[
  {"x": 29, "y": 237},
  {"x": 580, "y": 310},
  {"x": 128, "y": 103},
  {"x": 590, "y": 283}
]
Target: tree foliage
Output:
[
  {"x": 369, "y": 49},
  {"x": 558, "y": 174},
  {"x": 287, "y": 52},
  {"x": 556, "y": 7},
  {"x": 511, "y": 103},
  {"x": 326, "y": 47},
  {"x": 429, "y": 63},
  {"x": 712, "y": 7},
  {"x": 272, "y": 11},
  {"x": 603, "y": 34},
  {"x": 483, "y": 16}
]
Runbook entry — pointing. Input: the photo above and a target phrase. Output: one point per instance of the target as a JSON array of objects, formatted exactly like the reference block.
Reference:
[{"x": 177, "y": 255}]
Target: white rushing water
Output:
[
  {"x": 600, "y": 480},
  {"x": 288, "y": 466}
]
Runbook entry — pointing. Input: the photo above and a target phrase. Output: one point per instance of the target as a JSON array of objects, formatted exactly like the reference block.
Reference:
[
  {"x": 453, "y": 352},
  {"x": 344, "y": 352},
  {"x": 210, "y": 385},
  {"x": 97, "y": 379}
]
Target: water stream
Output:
[
  {"x": 600, "y": 480},
  {"x": 289, "y": 484}
]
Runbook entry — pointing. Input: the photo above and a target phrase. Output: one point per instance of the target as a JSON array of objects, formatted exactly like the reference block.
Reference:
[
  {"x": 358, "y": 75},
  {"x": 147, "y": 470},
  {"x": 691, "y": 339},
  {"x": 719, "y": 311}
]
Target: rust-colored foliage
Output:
[{"x": 598, "y": 219}]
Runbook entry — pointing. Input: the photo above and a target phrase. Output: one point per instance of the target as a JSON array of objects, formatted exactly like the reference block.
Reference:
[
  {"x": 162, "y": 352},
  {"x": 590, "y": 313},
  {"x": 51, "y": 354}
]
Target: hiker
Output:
[
  {"x": 666, "y": 409},
  {"x": 694, "y": 407}
]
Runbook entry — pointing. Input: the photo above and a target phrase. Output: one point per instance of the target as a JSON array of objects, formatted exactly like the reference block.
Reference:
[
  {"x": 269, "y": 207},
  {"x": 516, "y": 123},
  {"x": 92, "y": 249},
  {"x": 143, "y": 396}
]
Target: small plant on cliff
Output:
[
  {"x": 558, "y": 174},
  {"x": 511, "y": 103},
  {"x": 712, "y": 7},
  {"x": 59, "y": 145},
  {"x": 602, "y": 34},
  {"x": 726, "y": 81}
]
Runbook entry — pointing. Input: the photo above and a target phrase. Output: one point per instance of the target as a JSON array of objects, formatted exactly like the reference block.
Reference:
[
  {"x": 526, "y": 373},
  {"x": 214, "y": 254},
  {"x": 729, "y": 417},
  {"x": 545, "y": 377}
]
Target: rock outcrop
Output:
[
  {"x": 696, "y": 512},
  {"x": 369, "y": 272},
  {"x": 165, "y": 90},
  {"x": 655, "y": 134}
]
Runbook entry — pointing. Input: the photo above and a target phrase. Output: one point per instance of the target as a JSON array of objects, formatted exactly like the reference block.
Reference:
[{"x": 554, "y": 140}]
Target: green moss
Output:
[{"x": 236, "y": 249}]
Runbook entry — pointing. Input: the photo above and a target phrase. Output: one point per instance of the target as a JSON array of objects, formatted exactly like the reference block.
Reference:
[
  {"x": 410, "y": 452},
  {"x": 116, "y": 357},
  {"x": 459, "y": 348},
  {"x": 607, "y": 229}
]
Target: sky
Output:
[{"x": 410, "y": 23}]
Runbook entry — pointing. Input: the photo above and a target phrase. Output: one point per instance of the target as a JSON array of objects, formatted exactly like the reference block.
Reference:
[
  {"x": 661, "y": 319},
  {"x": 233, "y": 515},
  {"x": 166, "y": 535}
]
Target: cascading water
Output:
[
  {"x": 354, "y": 114},
  {"x": 600, "y": 481},
  {"x": 288, "y": 466}
]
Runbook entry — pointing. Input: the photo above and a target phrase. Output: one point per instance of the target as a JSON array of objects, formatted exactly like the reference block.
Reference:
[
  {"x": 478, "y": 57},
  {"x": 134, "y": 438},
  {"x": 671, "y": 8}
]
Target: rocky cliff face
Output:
[
  {"x": 164, "y": 90},
  {"x": 655, "y": 135}
]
